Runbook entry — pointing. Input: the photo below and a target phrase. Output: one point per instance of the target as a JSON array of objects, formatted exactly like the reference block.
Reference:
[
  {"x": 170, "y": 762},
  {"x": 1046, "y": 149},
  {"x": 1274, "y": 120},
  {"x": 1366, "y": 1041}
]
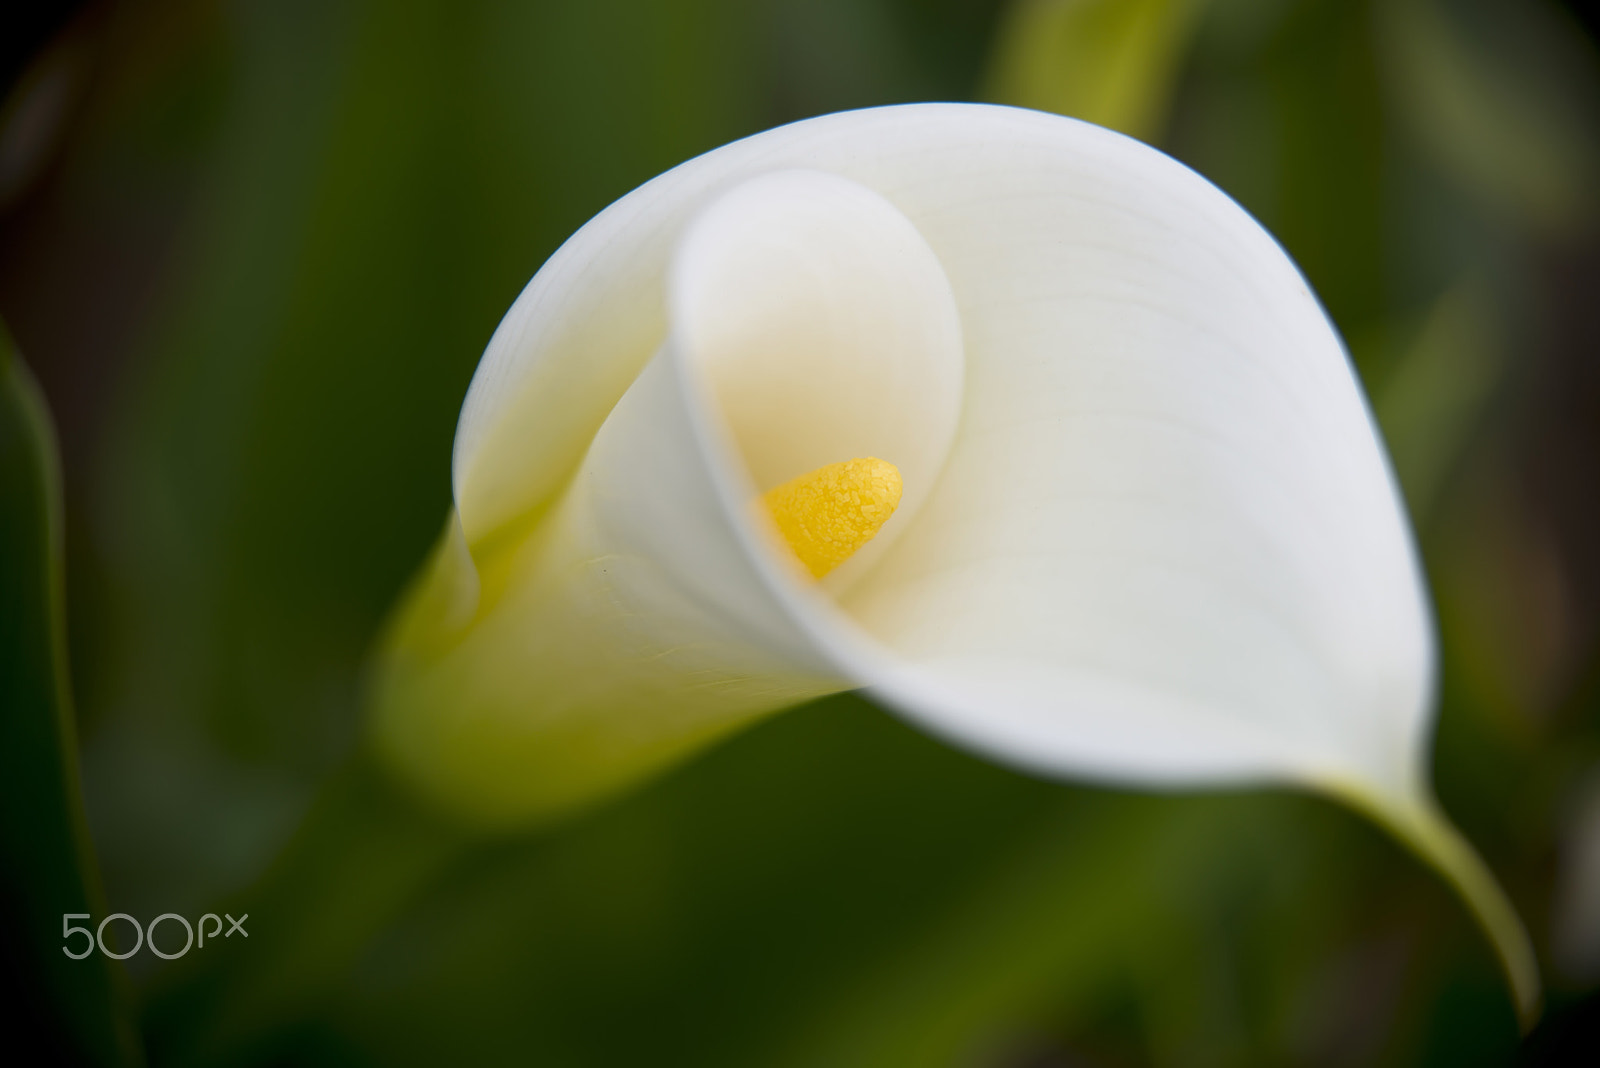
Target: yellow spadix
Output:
[{"x": 827, "y": 514}]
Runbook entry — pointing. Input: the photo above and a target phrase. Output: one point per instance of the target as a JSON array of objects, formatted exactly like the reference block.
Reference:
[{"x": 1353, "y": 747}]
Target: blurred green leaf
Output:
[
  {"x": 1111, "y": 62},
  {"x": 833, "y": 55},
  {"x": 1229, "y": 927},
  {"x": 1431, "y": 402},
  {"x": 1505, "y": 100},
  {"x": 1281, "y": 105},
  {"x": 76, "y": 1008}
]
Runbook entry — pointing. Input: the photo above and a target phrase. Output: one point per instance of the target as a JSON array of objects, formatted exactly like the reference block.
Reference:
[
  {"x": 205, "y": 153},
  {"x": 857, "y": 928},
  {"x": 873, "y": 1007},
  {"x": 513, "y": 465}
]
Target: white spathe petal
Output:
[
  {"x": 1151, "y": 533},
  {"x": 1167, "y": 503},
  {"x": 630, "y": 628},
  {"x": 826, "y": 330},
  {"x": 640, "y": 616},
  {"x": 1166, "y": 546},
  {"x": 1166, "y": 532}
]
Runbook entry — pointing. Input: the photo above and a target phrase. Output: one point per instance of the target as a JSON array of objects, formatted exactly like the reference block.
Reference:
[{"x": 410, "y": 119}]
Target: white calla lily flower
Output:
[{"x": 1147, "y": 534}]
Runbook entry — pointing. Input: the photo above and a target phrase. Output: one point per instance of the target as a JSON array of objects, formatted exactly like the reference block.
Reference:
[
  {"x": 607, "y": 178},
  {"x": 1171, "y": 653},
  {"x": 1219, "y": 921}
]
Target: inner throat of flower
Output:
[{"x": 827, "y": 514}]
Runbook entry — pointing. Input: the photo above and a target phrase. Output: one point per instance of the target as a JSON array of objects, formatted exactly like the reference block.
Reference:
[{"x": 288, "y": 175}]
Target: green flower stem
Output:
[{"x": 1423, "y": 827}]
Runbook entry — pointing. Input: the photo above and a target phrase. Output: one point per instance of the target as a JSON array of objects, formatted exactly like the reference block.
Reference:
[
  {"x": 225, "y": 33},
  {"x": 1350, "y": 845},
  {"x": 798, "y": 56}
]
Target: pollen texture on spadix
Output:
[{"x": 827, "y": 514}]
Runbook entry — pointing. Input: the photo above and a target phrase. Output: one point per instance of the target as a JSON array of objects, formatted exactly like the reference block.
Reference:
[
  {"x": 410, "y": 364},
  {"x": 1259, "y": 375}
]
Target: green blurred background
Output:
[{"x": 252, "y": 251}]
